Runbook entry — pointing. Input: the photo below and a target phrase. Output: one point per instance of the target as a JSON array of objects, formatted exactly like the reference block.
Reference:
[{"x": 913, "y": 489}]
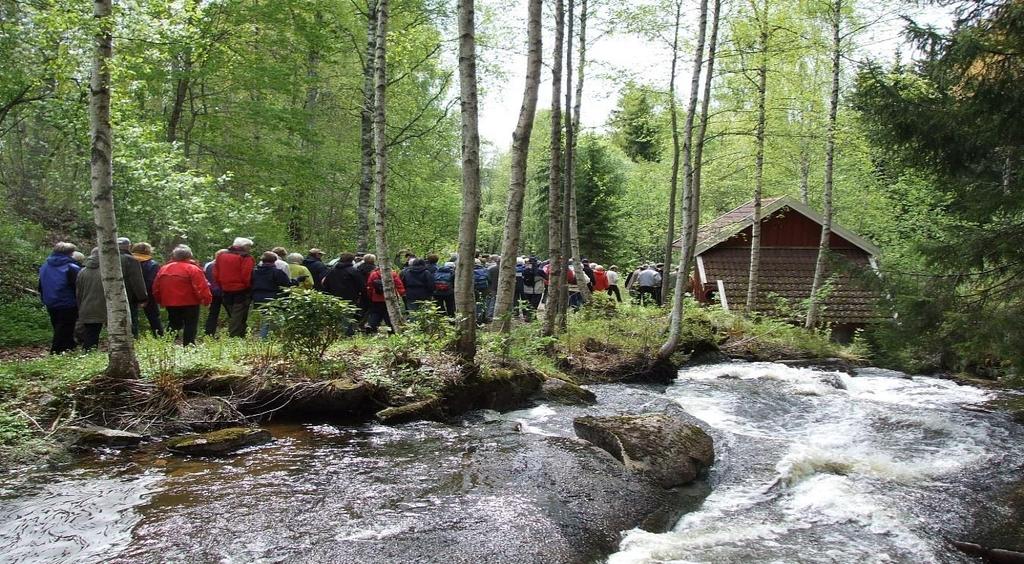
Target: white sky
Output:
[{"x": 613, "y": 58}]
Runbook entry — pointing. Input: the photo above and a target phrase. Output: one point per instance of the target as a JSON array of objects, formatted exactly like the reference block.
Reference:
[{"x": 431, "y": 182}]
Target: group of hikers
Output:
[{"x": 70, "y": 286}]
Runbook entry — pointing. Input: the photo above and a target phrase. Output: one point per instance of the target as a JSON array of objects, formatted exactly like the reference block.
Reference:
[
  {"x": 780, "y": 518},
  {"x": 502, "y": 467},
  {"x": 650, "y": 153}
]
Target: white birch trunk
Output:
[
  {"x": 556, "y": 275},
  {"x": 122, "y": 361},
  {"x": 755, "y": 236},
  {"x": 366, "y": 132},
  {"x": 380, "y": 142},
  {"x": 673, "y": 186},
  {"x": 465, "y": 303},
  {"x": 517, "y": 185},
  {"x": 830, "y": 150},
  {"x": 574, "y": 232},
  {"x": 676, "y": 317}
]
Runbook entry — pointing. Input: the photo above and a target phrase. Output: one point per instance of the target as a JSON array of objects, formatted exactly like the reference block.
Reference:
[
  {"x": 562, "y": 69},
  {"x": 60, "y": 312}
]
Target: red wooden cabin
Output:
[{"x": 790, "y": 233}]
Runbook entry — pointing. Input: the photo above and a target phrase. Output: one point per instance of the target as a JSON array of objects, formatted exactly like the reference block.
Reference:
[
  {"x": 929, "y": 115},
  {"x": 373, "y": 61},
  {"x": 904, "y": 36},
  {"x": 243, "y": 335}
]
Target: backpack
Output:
[
  {"x": 443, "y": 279},
  {"x": 481, "y": 280},
  {"x": 529, "y": 276},
  {"x": 378, "y": 285},
  {"x": 571, "y": 275}
]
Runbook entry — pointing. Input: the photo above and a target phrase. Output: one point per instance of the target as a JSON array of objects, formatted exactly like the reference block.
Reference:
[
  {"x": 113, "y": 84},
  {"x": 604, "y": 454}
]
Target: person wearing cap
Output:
[
  {"x": 232, "y": 271},
  {"x": 134, "y": 281},
  {"x": 92, "y": 303},
  {"x": 143, "y": 253},
  {"x": 314, "y": 262},
  {"x": 57, "y": 282},
  {"x": 181, "y": 287}
]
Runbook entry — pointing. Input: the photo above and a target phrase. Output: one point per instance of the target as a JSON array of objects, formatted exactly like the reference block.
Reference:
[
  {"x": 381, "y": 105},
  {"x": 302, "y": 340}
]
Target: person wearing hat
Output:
[
  {"x": 314, "y": 262},
  {"x": 232, "y": 271},
  {"x": 134, "y": 281},
  {"x": 143, "y": 253}
]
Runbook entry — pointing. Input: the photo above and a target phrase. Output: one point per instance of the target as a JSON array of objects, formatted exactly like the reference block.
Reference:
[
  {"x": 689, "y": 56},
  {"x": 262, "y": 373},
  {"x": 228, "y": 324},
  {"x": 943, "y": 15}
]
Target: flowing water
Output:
[{"x": 813, "y": 466}]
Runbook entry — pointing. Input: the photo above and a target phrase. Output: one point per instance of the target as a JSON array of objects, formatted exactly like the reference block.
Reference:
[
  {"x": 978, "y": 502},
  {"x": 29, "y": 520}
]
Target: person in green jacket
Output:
[
  {"x": 92, "y": 304},
  {"x": 299, "y": 273}
]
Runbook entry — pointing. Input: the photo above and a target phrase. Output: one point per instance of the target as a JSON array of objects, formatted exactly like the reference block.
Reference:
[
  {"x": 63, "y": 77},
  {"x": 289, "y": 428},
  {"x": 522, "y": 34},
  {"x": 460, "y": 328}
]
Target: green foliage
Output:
[
  {"x": 308, "y": 322},
  {"x": 950, "y": 124},
  {"x": 636, "y": 128},
  {"x": 600, "y": 180},
  {"x": 27, "y": 323},
  {"x": 14, "y": 429}
]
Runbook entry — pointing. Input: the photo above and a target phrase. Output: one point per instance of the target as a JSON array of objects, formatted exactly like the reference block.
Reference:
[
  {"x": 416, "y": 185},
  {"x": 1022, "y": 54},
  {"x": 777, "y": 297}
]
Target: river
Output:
[{"x": 812, "y": 466}]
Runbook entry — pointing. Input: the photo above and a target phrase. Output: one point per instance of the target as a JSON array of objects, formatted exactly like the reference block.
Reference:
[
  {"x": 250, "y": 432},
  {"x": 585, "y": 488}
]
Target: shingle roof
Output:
[
  {"x": 787, "y": 273},
  {"x": 732, "y": 222}
]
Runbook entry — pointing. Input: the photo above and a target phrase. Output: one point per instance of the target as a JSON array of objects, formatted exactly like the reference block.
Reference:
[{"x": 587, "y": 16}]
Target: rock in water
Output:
[
  {"x": 94, "y": 436},
  {"x": 218, "y": 443},
  {"x": 669, "y": 449},
  {"x": 559, "y": 391}
]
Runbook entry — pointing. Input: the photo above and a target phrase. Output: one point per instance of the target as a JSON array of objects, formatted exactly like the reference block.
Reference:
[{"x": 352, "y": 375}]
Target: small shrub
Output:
[
  {"x": 308, "y": 322},
  {"x": 26, "y": 323}
]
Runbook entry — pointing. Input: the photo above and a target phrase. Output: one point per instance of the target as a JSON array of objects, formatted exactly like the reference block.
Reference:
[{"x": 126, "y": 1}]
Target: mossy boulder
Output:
[
  {"x": 429, "y": 409},
  {"x": 95, "y": 436},
  {"x": 499, "y": 388},
  {"x": 555, "y": 390},
  {"x": 218, "y": 443},
  {"x": 669, "y": 449}
]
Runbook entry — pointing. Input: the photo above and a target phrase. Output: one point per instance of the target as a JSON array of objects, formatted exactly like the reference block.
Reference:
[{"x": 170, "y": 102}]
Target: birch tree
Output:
[
  {"x": 465, "y": 303},
  {"x": 762, "y": 95},
  {"x": 574, "y": 232},
  {"x": 556, "y": 277},
  {"x": 366, "y": 131},
  {"x": 380, "y": 143},
  {"x": 675, "y": 320},
  {"x": 511, "y": 236},
  {"x": 122, "y": 362},
  {"x": 702, "y": 130},
  {"x": 673, "y": 111},
  {"x": 561, "y": 315},
  {"x": 830, "y": 150}
]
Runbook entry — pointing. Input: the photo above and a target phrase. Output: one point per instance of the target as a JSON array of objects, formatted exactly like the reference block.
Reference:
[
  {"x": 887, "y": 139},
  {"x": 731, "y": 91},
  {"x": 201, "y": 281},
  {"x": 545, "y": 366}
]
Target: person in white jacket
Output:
[
  {"x": 575, "y": 298},
  {"x": 613, "y": 282}
]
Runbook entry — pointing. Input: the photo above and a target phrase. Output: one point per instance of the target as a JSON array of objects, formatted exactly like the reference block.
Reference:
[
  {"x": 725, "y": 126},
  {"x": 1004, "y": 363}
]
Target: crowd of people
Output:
[{"x": 70, "y": 286}]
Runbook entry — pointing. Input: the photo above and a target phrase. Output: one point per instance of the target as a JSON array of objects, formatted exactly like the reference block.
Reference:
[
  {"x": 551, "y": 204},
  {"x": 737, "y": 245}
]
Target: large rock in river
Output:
[
  {"x": 669, "y": 449},
  {"x": 218, "y": 443}
]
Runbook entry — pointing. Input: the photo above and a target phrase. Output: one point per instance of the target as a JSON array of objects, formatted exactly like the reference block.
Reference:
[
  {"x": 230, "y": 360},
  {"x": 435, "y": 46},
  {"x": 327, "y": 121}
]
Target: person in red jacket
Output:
[
  {"x": 600, "y": 279},
  {"x": 232, "y": 271},
  {"x": 379, "y": 309},
  {"x": 181, "y": 287}
]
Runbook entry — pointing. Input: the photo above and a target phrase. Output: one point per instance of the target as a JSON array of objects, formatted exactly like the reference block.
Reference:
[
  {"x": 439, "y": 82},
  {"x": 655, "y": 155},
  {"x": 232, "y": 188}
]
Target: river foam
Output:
[{"x": 819, "y": 466}]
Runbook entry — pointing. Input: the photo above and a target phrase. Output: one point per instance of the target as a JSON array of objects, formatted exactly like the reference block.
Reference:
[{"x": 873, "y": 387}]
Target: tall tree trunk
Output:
[
  {"x": 122, "y": 362},
  {"x": 574, "y": 231},
  {"x": 673, "y": 183},
  {"x": 830, "y": 151},
  {"x": 676, "y": 318},
  {"x": 702, "y": 130},
  {"x": 805, "y": 175},
  {"x": 556, "y": 276},
  {"x": 517, "y": 183},
  {"x": 366, "y": 136},
  {"x": 182, "y": 67},
  {"x": 465, "y": 302},
  {"x": 567, "y": 168},
  {"x": 762, "y": 95},
  {"x": 381, "y": 159}
]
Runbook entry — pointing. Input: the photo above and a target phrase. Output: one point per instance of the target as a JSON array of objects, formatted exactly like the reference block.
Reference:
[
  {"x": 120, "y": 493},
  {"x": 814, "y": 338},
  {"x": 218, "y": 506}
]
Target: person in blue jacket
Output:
[
  {"x": 268, "y": 283},
  {"x": 57, "y": 278}
]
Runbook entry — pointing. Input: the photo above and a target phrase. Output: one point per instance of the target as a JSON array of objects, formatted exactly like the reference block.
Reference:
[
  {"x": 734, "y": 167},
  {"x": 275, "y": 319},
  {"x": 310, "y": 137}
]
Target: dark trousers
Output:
[
  {"x": 237, "y": 306},
  {"x": 213, "y": 317},
  {"x": 91, "y": 335},
  {"x": 152, "y": 310},
  {"x": 615, "y": 290},
  {"x": 186, "y": 320},
  {"x": 378, "y": 312},
  {"x": 645, "y": 291},
  {"x": 63, "y": 320},
  {"x": 446, "y": 304}
]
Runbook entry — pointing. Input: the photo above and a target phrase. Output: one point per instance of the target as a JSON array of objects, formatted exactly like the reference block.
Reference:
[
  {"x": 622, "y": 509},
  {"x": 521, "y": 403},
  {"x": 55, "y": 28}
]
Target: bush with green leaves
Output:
[{"x": 308, "y": 322}]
